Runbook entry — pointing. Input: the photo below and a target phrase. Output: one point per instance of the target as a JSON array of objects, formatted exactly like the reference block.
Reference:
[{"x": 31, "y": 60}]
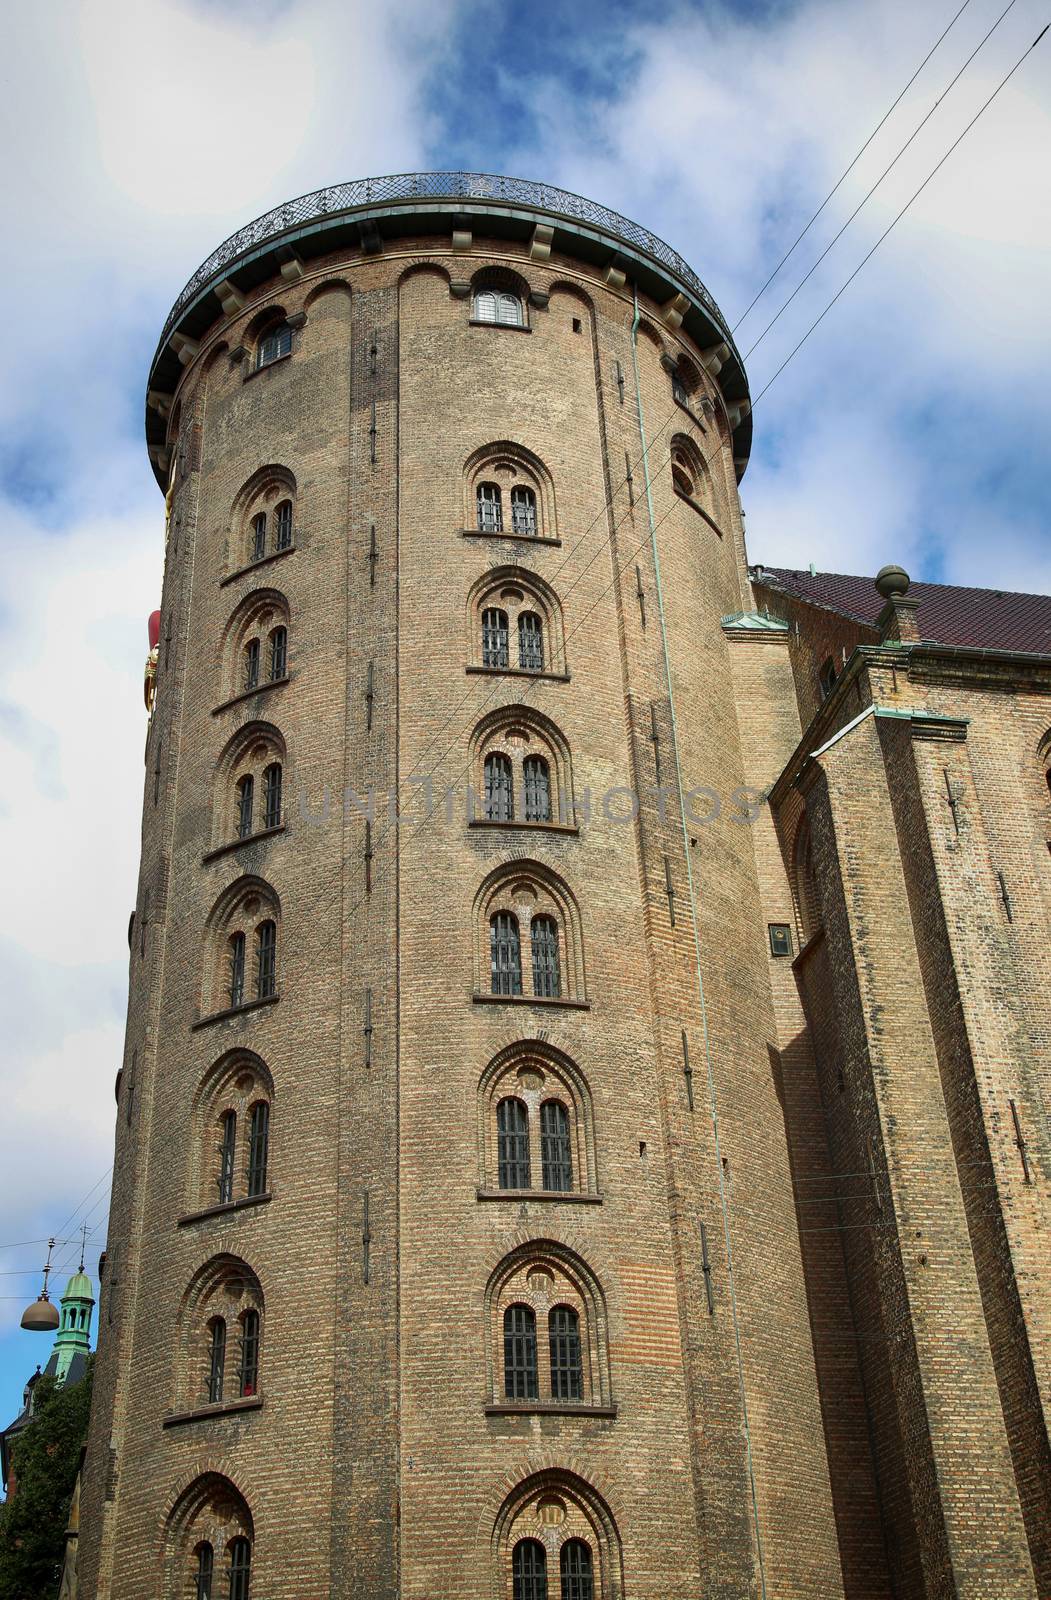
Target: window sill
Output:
[
  {"x": 519, "y": 538},
  {"x": 693, "y": 505},
  {"x": 264, "y": 561},
  {"x": 518, "y": 672},
  {"x": 530, "y": 1000},
  {"x": 505, "y": 327},
  {"x": 255, "y": 367},
  {"x": 808, "y": 949},
  {"x": 225, "y": 1209},
  {"x": 533, "y": 827},
  {"x": 567, "y": 1196},
  {"x": 547, "y": 1408},
  {"x": 691, "y": 413},
  {"x": 234, "y": 1011},
  {"x": 246, "y": 694},
  {"x": 236, "y": 844},
  {"x": 222, "y": 1408}
]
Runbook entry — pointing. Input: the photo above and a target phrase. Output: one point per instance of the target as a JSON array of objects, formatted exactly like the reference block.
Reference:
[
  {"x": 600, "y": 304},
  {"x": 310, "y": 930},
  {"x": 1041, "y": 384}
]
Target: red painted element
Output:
[{"x": 154, "y": 626}]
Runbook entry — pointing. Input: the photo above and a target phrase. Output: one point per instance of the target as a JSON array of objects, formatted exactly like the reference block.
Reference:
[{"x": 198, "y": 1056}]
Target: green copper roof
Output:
[
  {"x": 79, "y": 1287},
  {"x": 758, "y": 621}
]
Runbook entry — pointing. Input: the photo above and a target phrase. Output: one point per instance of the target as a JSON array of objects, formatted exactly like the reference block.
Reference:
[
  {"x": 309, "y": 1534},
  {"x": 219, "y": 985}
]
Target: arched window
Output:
[
  {"x": 563, "y": 1327},
  {"x": 251, "y": 665},
  {"x": 520, "y": 1373},
  {"x": 202, "y": 1578},
  {"x": 827, "y": 677},
  {"x": 278, "y": 653},
  {"x": 808, "y": 908},
  {"x": 574, "y": 1565},
  {"x": 283, "y": 517},
  {"x": 490, "y": 508},
  {"x": 681, "y": 475},
  {"x": 272, "y": 795},
  {"x": 499, "y": 306},
  {"x": 216, "y": 1360},
  {"x": 237, "y": 969},
  {"x": 227, "y": 1147},
  {"x": 547, "y": 979},
  {"x": 494, "y": 638},
  {"x": 505, "y": 953},
  {"x": 262, "y": 515},
  {"x": 266, "y": 960},
  {"x": 529, "y": 1571},
  {"x": 245, "y": 794},
  {"x": 556, "y": 1153},
  {"x": 274, "y": 344},
  {"x": 499, "y": 789},
  {"x": 259, "y": 536},
  {"x": 258, "y": 1147},
  {"x": 241, "y": 1568},
  {"x": 523, "y": 509},
  {"x": 248, "y": 1373},
  {"x": 512, "y": 1143},
  {"x": 537, "y": 789},
  {"x": 530, "y": 642}
]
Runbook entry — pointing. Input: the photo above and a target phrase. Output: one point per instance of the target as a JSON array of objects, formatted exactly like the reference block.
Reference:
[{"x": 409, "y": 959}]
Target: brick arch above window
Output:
[
  {"x": 236, "y": 1084},
  {"x": 555, "y": 1506},
  {"x": 251, "y": 753},
  {"x": 804, "y": 884},
  {"x": 540, "y": 767},
  {"x": 246, "y": 918},
  {"x": 544, "y": 1275},
  {"x": 224, "y": 1290},
  {"x": 499, "y": 297},
  {"x": 210, "y": 1512},
  {"x": 535, "y": 898},
  {"x": 689, "y": 471},
  {"x": 262, "y": 517},
  {"x": 508, "y": 490},
  {"x": 254, "y": 651},
  {"x": 512, "y": 593},
  {"x": 537, "y": 1074}
]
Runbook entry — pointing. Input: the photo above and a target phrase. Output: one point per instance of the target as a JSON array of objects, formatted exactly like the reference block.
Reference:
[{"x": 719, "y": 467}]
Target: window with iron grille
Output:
[
  {"x": 241, "y": 1569},
  {"x": 563, "y": 1329},
  {"x": 227, "y": 1146},
  {"x": 216, "y": 1359},
  {"x": 278, "y": 653},
  {"x": 520, "y": 1376},
  {"x": 266, "y": 959},
  {"x": 555, "y": 1154},
  {"x": 258, "y": 1147},
  {"x": 529, "y": 1571},
  {"x": 523, "y": 509},
  {"x": 537, "y": 789},
  {"x": 202, "y": 1578},
  {"x": 547, "y": 979},
  {"x": 248, "y": 1373},
  {"x": 259, "y": 536},
  {"x": 574, "y": 1563},
  {"x": 505, "y": 953},
  {"x": 512, "y": 1145},
  {"x": 272, "y": 795},
  {"x": 492, "y": 305},
  {"x": 245, "y": 795},
  {"x": 490, "y": 508},
  {"x": 283, "y": 513},
  {"x": 494, "y": 638},
  {"x": 499, "y": 789},
  {"x": 237, "y": 969},
  {"x": 530, "y": 642},
  {"x": 251, "y": 674},
  {"x": 274, "y": 345}
]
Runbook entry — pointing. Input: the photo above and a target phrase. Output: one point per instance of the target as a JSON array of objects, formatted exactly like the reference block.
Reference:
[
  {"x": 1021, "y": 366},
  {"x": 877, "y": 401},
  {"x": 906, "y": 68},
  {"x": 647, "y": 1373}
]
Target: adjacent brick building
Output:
[{"x": 622, "y": 1172}]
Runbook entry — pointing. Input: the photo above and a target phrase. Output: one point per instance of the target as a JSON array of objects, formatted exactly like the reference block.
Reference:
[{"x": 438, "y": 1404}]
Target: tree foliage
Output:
[{"x": 44, "y": 1465}]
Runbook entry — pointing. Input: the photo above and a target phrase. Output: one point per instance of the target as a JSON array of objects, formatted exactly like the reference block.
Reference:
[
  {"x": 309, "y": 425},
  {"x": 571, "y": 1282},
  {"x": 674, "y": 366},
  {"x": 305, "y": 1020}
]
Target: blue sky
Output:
[{"x": 912, "y": 426}]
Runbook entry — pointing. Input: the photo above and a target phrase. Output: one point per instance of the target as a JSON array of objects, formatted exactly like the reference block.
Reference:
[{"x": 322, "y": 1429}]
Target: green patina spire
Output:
[{"x": 74, "y": 1328}]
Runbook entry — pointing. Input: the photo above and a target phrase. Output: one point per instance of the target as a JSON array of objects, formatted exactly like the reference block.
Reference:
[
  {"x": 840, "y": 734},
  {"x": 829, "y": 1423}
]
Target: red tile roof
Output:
[{"x": 982, "y": 619}]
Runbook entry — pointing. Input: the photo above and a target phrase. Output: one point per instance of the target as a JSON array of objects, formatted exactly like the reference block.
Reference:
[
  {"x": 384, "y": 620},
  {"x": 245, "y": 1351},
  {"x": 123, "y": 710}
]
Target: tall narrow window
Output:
[
  {"x": 512, "y": 1145},
  {"x": 237, "y": 969},
  {"x": 227, "y": 1146},
  {"x": 827, "y": 677},
  {"x": 537, "y": 789},
  {"x": 245, "y": 793},
  {"x": 274, "y": 345},
  {"x": 547, "y": 979},
  {"x": 258, "y": 1147},
  {"x": 494, "y": 638},
  {"x": 284, "y": 524},
  {"x": 530, "y": 642},
  {"x": 259, "y": 536},
  {"x": 266, "y": 960},
  {"x": 520, "y": 1377},
  {"x": 241, "y": 1569},
  {"x": 202, "y": 1578},
  {"x": 523, "y": 510},
  {"x": 248, "y": 1373},
  {"x": 216, "y": 1359},
  {"x": 574, "y": 1563},
  {"x": 499, "y": 789},
  {"x": 505, "y": 953},
  {"x": 563, "y": 1327},
  {"x": 251, "y": 673},
  {"x": 278, "y": 654},
  {"x": 490, "y": 508},
  {"x": 679, "y": 391},
  {"x": 272, "y": 795},
  {"x": 529, "y": 1571},
  {"x": 555, "y": 1154}
]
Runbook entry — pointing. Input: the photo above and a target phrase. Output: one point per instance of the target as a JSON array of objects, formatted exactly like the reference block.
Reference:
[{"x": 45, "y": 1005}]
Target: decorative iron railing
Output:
[{"x": 439, "y": 186}]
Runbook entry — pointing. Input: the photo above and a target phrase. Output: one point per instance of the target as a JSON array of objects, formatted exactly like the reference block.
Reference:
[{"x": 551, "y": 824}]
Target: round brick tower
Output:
[{"x": 452, "y": 1248}]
